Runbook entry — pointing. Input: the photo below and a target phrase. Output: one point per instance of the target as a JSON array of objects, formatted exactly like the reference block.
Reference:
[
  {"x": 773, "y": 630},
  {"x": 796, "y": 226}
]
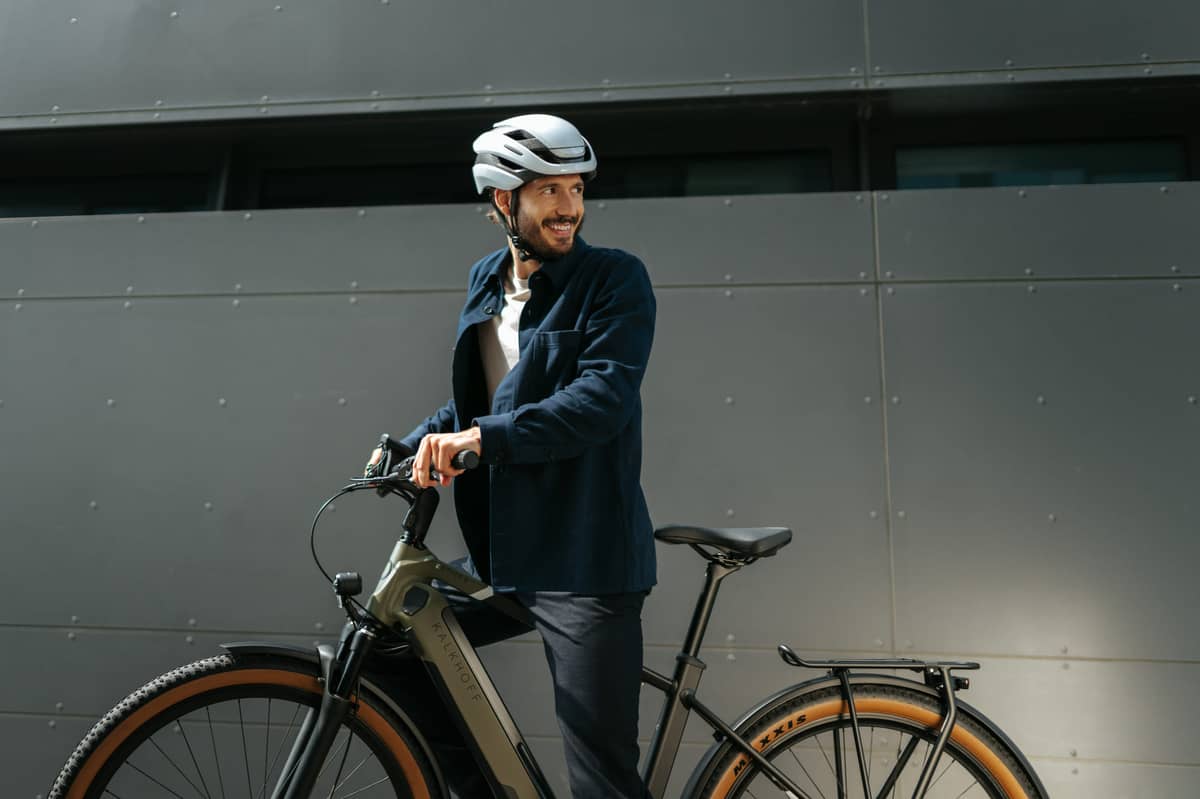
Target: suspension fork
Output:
[{"x": 320, "y": 728}]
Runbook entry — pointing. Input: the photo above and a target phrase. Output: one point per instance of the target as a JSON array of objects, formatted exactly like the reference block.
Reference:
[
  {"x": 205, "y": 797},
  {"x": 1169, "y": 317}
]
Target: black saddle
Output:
[{"x": 746, "y": 542}]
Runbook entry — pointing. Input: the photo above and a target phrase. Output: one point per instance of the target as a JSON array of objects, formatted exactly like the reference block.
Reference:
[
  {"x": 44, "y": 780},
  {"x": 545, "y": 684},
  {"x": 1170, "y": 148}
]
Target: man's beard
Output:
[{"x": 534, "y": 240}]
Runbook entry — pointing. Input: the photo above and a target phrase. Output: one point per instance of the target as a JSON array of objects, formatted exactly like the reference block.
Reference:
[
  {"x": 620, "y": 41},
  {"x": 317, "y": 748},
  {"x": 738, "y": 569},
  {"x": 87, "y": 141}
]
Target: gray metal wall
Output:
[
  {"x": 977, "y": 409},
  {"x": 150, "y": 61}
]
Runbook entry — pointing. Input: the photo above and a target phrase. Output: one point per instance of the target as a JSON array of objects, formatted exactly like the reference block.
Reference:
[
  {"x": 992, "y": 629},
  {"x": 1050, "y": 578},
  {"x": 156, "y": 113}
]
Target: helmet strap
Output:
[{"x": 510, "y": 225}]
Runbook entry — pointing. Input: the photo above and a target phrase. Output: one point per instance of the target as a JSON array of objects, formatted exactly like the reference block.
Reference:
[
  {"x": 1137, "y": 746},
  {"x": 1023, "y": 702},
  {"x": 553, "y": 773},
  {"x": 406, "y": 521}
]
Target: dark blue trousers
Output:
[{"x": 593, "y": 646}]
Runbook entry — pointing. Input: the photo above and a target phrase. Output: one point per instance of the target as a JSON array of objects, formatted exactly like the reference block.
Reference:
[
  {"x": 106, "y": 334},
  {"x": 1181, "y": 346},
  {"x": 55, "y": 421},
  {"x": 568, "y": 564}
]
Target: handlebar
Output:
[{"x": 391, "y": 469}]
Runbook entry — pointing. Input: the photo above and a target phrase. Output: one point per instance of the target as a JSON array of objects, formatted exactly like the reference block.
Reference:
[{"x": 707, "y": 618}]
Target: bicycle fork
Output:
[{"x": 340, "y": 672}]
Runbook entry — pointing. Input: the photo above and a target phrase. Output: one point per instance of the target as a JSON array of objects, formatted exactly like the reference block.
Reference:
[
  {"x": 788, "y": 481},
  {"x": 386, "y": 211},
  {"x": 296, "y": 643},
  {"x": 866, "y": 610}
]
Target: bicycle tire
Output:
[
  {"x": 797, "y": 735},
  {"x": 184, "y": 700}
]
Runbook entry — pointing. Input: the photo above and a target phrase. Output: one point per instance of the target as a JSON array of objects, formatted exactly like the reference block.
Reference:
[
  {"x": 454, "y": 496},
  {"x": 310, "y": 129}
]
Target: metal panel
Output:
[
  {"x": 944, "y": 36},
  {"x": 1089, "y": 779},
  {"x": 744, "y": 386},
  {"x": 1137, "y": 230},
  {"x": 195, "y": 486},
  {"x": 1089, "y": 711},
  {"x": 1042, "y": 454},
  {"x": 748, "y": 239},
  {"x": 229, "y": 57},
  {"x": 115, "y": 662},
  {"x": 414, "y": 248},
  {"x": 35, "y": 748}
]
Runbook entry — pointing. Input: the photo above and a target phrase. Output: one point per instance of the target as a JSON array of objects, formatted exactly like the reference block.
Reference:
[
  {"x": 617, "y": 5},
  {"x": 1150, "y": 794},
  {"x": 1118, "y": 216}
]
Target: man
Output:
[{"x": 552, "y": 345}]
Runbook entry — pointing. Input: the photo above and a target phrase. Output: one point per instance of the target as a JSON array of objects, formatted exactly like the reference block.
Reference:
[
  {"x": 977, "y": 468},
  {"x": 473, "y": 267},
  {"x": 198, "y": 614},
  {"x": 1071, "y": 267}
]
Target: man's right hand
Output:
[{"x": 437, "y": 450}]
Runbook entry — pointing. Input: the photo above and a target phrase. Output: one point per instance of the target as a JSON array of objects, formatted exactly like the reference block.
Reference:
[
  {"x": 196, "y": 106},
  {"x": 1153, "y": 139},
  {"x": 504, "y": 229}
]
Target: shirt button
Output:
[{"x": 489, "y": 310}]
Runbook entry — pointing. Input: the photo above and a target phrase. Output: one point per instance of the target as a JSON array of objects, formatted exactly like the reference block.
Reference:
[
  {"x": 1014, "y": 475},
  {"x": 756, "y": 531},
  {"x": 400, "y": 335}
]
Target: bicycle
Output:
[{"x": 205, "y": 728}]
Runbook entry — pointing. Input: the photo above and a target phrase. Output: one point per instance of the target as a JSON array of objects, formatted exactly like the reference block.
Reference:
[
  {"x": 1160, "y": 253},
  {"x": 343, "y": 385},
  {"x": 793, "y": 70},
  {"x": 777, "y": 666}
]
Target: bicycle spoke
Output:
[
  {"x": 802, "y": 768},
  {"x": 338, "y": 776},
  {"x": 949, "y": 765},
  {"x": 107, "y": 792},
  {"x": 969, "y": 787},
  {"x": 267, "y": 746},
  {"x": 367, "y": 788},
  {"x": 286, "y": 735},
  {"x": 175, "y": 766},
  {"x": 156, "y": 782},
  {"x": 370, "y": 756},
  {"x": 216, "y": 756},
  {"x": 188, "y": 743},
  {"x": 892, "y": 782},
  {"x": 245, "y": 750},
  {"x": 828, "y": 762}
]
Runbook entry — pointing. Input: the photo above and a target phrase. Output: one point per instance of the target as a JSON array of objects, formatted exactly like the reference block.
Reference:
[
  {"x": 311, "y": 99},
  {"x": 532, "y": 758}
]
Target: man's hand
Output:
[{"x": 436, "y": 450}]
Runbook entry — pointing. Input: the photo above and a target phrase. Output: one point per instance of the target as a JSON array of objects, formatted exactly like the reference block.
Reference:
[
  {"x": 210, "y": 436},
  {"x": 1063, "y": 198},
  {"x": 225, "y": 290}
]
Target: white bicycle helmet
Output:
[{"x": 518, "y": 149}]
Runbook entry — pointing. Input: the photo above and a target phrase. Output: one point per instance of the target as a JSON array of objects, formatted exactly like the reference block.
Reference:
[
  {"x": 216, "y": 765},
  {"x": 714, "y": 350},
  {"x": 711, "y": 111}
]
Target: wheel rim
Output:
[{"x": 235, "y": 740}]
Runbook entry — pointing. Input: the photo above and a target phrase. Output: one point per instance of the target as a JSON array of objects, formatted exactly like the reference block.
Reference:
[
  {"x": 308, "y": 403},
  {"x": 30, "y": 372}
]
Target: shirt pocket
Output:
[{"x": 550, "y": 362}]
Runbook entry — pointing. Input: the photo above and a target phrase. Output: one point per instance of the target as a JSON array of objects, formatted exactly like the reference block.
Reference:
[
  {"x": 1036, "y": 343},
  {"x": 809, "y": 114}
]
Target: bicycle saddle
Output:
[{"x": 755, "y": 542}]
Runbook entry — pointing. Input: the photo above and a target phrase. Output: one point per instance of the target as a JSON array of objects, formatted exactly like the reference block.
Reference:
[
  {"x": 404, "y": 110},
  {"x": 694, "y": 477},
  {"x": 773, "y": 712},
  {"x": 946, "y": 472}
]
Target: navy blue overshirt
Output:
[{"x": 560, "y": 506}]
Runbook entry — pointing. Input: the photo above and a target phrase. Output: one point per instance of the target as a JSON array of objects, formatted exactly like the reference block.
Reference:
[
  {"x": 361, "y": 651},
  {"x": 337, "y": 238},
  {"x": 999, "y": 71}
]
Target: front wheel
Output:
[
  {"x": 810, "y": 738},
  {"x": 227, "y": 726}
]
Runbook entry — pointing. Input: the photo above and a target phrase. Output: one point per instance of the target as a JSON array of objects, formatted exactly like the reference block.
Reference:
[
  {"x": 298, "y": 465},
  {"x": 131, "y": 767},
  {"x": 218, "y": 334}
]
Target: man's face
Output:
[{"x": 549, "y": 214}]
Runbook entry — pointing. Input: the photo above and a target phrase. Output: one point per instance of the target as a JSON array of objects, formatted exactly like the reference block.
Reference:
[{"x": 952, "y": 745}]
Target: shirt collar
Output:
[{"x": 557, "y": 270}]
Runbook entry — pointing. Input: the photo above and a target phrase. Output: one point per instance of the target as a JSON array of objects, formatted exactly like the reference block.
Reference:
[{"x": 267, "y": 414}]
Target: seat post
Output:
[{"x": 713, "y": 575}]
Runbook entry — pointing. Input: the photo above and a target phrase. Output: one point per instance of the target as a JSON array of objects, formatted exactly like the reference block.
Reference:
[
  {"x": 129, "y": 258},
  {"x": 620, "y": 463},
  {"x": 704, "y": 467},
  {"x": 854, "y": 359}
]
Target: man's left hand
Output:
[{"x": 435, "y": 452}]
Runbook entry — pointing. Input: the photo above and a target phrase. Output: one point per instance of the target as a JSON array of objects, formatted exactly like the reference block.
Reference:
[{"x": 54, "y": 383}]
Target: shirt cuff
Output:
[{"x": 495, "y": 435}]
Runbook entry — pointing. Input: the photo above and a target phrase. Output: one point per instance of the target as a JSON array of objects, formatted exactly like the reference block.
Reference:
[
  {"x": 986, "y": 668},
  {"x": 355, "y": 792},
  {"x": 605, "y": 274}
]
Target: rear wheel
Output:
[
  {"x": 810, "y": 738},
  {"x": 226, "y": 726}
]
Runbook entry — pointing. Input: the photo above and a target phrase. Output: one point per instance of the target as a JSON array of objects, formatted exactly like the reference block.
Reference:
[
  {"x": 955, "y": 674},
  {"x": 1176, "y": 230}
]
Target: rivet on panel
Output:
[
  {"x": 18, "y": 307},
  {"x": 1175, "y": 270},
  {"x": 867, "y": 400},
  {"x": 266, "y": 98},
  {"x": 1052, "y": 518},
  {"x": 479, "y": 209},
  {"x": 157, "y": 116},
  {"x": 896, "y": 400},
  {"x": 127, "y": 305},
  {"x": 141, "y": 219},
  {"x": 110, "y": 402},
  {"x": 1164, "y": 189},
  {"x": 158, "y": 103},
  {"x": 319, "y": 626},
  {"x": 1074, "y": 771},
  {"x": 873, "y": 514},
  {"x": 237, "y": 286},
  {"x": 728, "y": 278},
  {"x": 374, "y": 92},
  {"x": 878, "y": 643},
  {"x": 890, "y": 291},
  {"x": 221, "y": 401},
  {"x": 1008, "y": 62},
  {"x": 853, "y": 70},
  {"x": 888, "y": 274},
  {"x": 901, "y": 514},
  {"x": 263, "y": 110},
  {"x": 730, "y": 637},
  {"x": 74, "y": 620},
  {"x": 1145, "y": 56},
  {"x": 174, "y": 15},
  {"x": 1176, "y": 287},
  {"x": 1148, "y": 71},
  {"x": 1010, "y": 77},
  {"x": 487, "y": 100},
  {"x": 74, "y": 20},
  {"x": 279, "y": 8},
  {"x": 70, "y": 636},
  {"x": 208, "y": 506},
  {"x": 1028, "y": 271},
  {"x": 1031, "y": 289},
  {"x": 51, "y": 724},
  {"x": 728, "y": 293},
  {"x": 855, "y": 84},
  {"x": 20, "y": 292},
  {"x": 190, "y": 639},
  {"x": 362, "y": 212},
  {"x": 729, "y": 512},
  {"x": 877, "y": 70},
  {"x": 1192, "y": 399},
  {"x": 731, "y": 656},
  {"x": 236, "y": 303},
  {"x": 353, "y": 284},
  {"x": 883, "y": 197},
  {"x": 1064, "y": 651},
  {"x": 384, "y": 2},
  {"x": 908, "y": 644},
  {"x": 1066, "y": 666},
  {"x": 53, "y": 120},
  {"x": 341, "y": 400},
  {"x": 1041, "y": 400},
  {"x": 129, "y": 289},
  {"x": 191, "y": 622},
  {"x": 728, "y": 202},
  {"x": 878, "y": 83},
  {"x": 247, "y": 216},
  {"x": 94, "y": 505},
  {"x": 728, "y": 90},
  {"x": 863, "y": 292},
  {"x": 487, "y": 87},
  {"x": 34, "y": 223},
  {"x": 54, "y": 109},
  {"x": 729, "y": 400},
  {"x": 58, "y": 706},
  {"x": 601, "y": 205},
  {"x": 1020, "y": 192},
  {"x": 354, "y": 300}
]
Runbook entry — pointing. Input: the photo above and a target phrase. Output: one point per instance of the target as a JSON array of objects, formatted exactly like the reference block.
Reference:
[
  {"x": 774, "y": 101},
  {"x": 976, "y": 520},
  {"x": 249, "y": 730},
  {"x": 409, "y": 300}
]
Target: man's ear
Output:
[{"x": 503, "y": 200}]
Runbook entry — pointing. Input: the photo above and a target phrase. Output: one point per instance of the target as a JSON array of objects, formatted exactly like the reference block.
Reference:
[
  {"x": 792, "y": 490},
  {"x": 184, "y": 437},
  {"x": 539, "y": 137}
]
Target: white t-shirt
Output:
[{"x": 499, "y": 337}]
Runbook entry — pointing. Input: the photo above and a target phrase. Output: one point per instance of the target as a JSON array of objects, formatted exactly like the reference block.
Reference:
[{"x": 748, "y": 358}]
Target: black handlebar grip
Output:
[{"x": 467, "y": 459}]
